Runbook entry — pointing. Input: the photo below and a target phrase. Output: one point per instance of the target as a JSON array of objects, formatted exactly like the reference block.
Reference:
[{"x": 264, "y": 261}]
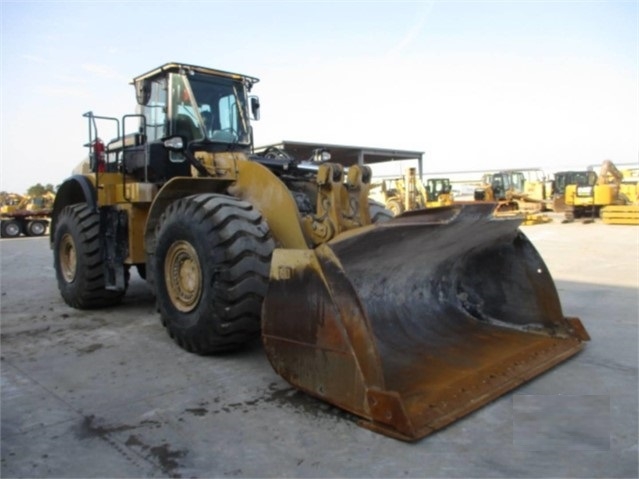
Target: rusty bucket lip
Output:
[
  {"x": 411, "y": 430},
  {"x": 457, "y": 407},
  {"x": 405, "y": 390}
]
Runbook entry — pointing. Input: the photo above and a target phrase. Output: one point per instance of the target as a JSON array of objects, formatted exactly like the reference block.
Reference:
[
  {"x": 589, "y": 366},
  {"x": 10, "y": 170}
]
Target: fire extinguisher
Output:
[{"x": 99, "y": 155}]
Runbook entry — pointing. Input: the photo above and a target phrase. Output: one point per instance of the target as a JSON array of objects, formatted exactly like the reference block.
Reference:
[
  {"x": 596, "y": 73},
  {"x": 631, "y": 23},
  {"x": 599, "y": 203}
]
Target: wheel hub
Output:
[
  {"x": 183, "y": 276},
  {"x": 12, "y": 230},
  {"x": 68, "y": 258},
  {"x": 37, "y": 228}
]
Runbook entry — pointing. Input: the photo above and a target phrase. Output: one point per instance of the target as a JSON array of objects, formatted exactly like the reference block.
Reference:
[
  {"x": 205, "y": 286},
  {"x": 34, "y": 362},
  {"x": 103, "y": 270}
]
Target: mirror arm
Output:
[{"x": 195, "y": 163}]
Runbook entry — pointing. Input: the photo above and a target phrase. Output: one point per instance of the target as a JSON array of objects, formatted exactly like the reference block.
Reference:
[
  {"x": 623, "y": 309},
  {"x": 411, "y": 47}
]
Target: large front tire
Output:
[
  {"x": 77, "y": 258},
  {"x": 211, "y": 271}
]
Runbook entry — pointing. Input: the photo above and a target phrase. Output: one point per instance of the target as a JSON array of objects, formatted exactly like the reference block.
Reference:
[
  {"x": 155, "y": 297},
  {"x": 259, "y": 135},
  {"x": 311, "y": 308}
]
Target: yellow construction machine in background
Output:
[
  {"x": 409, "y": 193},
  {"x": 507, "y": 188},
  {"x": 439, "y": 192},
  {"x": 628, "y": 213},
  {"x": 608, "y": 196},
  {"x": 565, "y": 178},
  {"x": 25, "y": 215},
  {"x": 409, "y": 323},
  {"x": 11, "y": 202},
  {"x": 535, "y": 185}
]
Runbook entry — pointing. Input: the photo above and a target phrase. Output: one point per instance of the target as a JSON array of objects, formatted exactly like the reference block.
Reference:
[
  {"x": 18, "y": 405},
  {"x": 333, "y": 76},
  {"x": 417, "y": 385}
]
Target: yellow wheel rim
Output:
[
  {"x": 183, "y": 276},
  {"x": 68, "y": 258}
]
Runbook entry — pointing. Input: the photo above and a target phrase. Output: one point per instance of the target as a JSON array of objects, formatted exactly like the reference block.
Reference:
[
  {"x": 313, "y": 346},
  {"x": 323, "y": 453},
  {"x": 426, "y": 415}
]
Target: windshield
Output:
[
  {"x": 437, "y": 187},
  {"x": 518, "y": 181},
  {"x": 501, "y": 182},
  {"x": 210, "y": 108},
  {"x": 579, "y": 178}
]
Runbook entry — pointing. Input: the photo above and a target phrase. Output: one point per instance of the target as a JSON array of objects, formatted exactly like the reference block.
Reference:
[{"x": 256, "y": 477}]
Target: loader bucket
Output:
[{"x": 416, "y": 322}]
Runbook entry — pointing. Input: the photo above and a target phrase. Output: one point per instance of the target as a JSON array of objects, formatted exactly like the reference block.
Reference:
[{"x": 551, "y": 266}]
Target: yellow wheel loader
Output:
[{"x": 409, "y": 323}]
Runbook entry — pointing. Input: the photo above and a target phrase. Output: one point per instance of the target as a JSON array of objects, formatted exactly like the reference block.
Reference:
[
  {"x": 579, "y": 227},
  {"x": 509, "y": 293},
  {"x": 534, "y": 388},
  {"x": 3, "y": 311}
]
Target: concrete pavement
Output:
[{"x": 108, "y": 394}]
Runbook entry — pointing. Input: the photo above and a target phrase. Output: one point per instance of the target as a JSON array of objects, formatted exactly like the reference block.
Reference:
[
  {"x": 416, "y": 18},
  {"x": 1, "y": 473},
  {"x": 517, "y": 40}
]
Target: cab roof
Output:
[{"x": 181, "y": 67}]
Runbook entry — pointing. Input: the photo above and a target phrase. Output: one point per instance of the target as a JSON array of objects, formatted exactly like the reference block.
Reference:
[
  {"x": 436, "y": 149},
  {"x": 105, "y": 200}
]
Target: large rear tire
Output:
[
  {"x": 77, "y": 258},
  {"x": 211, "y": 271}
]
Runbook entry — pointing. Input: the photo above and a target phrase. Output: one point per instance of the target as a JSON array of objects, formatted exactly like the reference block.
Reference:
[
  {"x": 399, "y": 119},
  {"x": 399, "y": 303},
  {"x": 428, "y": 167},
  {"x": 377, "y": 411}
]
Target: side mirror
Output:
[
  {"x": 143, "y": 91},
  {"x": 255, "y": 107},
  {"x": 174, "y": 143},
  {"x": 177, "y": 144}
]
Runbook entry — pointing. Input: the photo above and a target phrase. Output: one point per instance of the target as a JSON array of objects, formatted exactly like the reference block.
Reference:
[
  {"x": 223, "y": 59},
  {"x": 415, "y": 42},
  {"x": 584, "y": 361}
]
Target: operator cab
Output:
[
  {"x": 436, "y": 187},
  {"x": 500, "y": 183},
  {"x": 210, "y": 109},
  {"x": 579, "y": 178}
]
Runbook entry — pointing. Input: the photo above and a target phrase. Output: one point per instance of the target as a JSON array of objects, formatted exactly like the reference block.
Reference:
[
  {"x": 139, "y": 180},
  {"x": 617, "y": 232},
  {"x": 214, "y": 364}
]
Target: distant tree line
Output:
[
  {"x": 38, "y": 189},
  {"x": 35, "y": 190}
]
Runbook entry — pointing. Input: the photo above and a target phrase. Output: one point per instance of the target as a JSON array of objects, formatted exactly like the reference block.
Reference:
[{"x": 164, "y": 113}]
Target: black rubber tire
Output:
[
  {"x": 10, "y": 228},
  {"x": 378, "y": 212},
  {"x": 77, "y": 259},
  {"x": 36, "y": 228},
  {"x": 211, "y": 272}
]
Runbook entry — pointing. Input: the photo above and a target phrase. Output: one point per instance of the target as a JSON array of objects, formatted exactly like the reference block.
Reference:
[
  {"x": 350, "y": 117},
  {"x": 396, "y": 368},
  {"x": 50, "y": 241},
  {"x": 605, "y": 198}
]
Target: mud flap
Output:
[{"x": 416, "y": 322}]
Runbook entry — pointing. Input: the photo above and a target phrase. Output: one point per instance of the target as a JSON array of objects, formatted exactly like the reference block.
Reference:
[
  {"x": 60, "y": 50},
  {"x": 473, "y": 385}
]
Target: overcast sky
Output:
[{"x": 474, "y": 84}]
